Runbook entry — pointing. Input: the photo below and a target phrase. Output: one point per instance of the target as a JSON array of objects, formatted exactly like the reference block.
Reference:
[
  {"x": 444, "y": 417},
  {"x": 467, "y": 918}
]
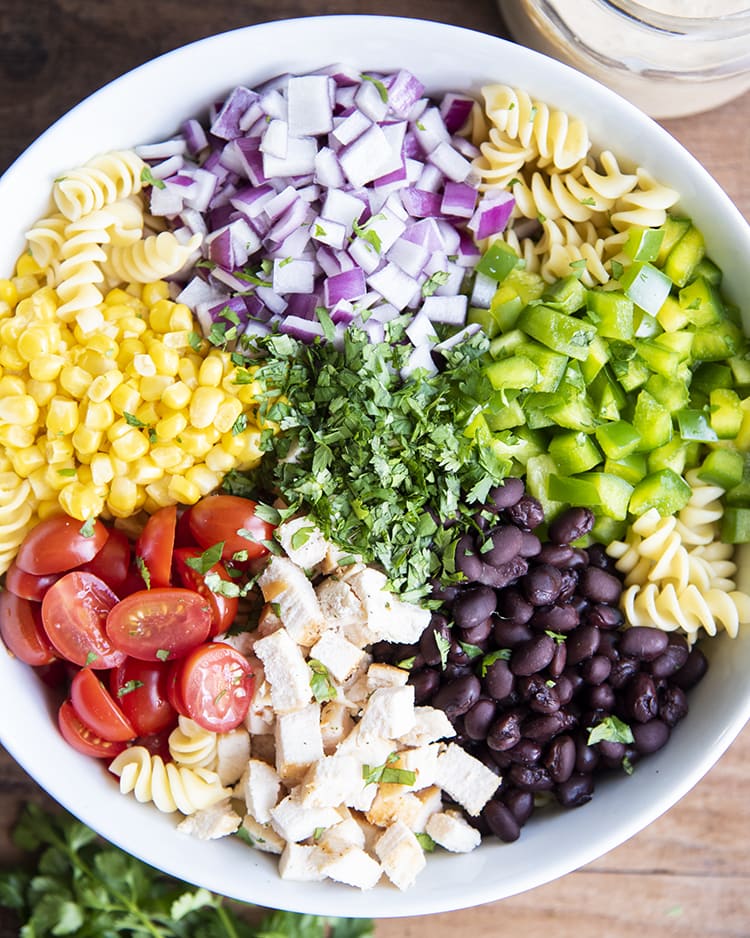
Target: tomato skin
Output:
[
  {"x": 219, "y": 517},
  {"x": 22, "y": 631},
  {"x": 174, "y": 694},
  {"x": 56, "y": 545},
  {"x": 96, "y": 709},
  {"x": 156, "y": 543},
  {"x": 112, "y": 563},
  {"x": 74, "y": 612},
  {"x": 28, "y": 585},
  {"x": 183, "y": 536},
  {"x": 157, "y": 744},
  {"x": 223, "y": 608},
  {"x": 147, "y": 706},
  {"x": 80, "y": 737},
  {"x": 159, "y": 624},
  {"x": 216, "y": 684}
]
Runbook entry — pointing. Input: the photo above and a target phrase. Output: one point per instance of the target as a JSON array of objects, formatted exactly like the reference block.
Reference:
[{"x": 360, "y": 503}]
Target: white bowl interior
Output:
[{"x": 147, "y": 105}]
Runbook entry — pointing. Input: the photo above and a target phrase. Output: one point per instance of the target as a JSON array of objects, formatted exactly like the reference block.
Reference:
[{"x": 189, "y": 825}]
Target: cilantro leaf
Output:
[
  {"x": 217, "y": 584},
  {"x": 322, "y": 686},
  {"x": 502, "y": 654},
  {"x": 128, "y": 687},
  {"x": 443, "y": 647},
  {"x": 438, "y": 279},
  {"x": 426, "y": 842},
  {"x": 144, "y": 571},
  {"x": 386, "y": 774},
  {"x": 209, "y": 558},
  {"x": 610, "y": 729},
  {"x": 87, "y": 528},
  {"x": 132, "y": 421},
  {"x": 148, "y": 179}
]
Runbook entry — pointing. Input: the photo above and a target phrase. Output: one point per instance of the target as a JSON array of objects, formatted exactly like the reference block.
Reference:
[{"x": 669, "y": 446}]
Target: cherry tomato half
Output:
[
  {"x": 216, "y": 684},
  {"x": 96, "y": 709},
  {"x": 174, "y": 694},
  {"x": 28, "y": 585},
  {"x": 155, "y": 545},
  {"x": 22, "y": 630},
  {"x": 74, "y": 612},
  {"x": 159, "y": 624},
  {"x": 81, "y": 738},
  {"x": 112, "y": 563},
  {"x": 223, "y": 608},
  {"x": 221, "y": 517},
  {"x": 140, "y": 689},
  {"x": 57, "y": 544}
]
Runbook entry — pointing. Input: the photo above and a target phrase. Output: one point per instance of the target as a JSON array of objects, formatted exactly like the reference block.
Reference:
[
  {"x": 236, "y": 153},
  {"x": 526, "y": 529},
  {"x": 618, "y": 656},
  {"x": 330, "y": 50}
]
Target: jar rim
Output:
[{"x": 730, "y": 25}]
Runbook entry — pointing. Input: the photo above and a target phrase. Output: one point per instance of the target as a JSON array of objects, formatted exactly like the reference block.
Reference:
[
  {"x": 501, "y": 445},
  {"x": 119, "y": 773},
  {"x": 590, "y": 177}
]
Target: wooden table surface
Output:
[{"x": 688, "y": 874}]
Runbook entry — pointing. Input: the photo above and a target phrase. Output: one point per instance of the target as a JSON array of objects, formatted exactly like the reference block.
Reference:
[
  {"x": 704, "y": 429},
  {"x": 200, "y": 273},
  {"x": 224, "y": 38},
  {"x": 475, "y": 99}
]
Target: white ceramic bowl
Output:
[{"x": 147, "y": 105}]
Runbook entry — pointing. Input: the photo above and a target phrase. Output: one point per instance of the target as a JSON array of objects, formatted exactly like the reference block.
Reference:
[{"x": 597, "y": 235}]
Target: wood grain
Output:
[{"x": 688, "y": 874}]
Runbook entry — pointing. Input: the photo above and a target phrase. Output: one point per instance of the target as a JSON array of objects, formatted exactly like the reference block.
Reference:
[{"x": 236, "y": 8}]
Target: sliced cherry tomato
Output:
[
  {"x": 140, "y": 689},
  {"x": 159, "y": 624},
  {"x": 157, "y": 744},
  {"x": 223, "y": 608},
  {"x": 81, "y": 738},
  {"x": 112, "y": 563},
  {"x": 222, "y": 517},
  {"x": 96, "y": 709},
  {"x": 74, "y": 612},
  {"x": 174, "y": 694},
  {"x": 217, "y": 684},
  {"x": 60, "y": 543},
  {"x": 28, "y": 585},
  {"x": 155, "y": 545},
  {"x": 183, "y": 536},
  {"x": 22, "y": 630},
  {"x": 55, "y": 674}
]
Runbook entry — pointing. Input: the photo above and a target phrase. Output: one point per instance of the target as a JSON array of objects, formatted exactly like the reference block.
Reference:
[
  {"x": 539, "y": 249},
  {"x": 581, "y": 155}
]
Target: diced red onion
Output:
[
  {"x": 275, "y": 140},
  {"x": 306, "y": 330},
  {"x": 430, "y": 178},
  {"x": 458, "y": 200},
  {"x": 164, "y": 150},
  {"x": 277, "y": 304},
  {"x": 455, "y": 110},
  {"x": 332, "y": 233},
  {"x": 458, "y": 337},
  {"x": 347, "y": 129},
  {"x": 348, "y": 285},
  {"x": 227, "y": 122},
  {"x": 393, "y": 285},
  {"x": 297, "y": 214},
  {"x": 273, "y": 104},
  {"x": 404, "y": 90},
  {"x": 419, "y": 359},
  {"x": 364, "y": 255},
  {"x": 492, "y": 215},
  {"x": 483, "y": 291},
  {"x": 430, "y": 130},
  {"x": 420, "y": 330},
  {"x": 421, "y": 204},
  {"x": 310, "y": 105},
  {"x": 409, "y": 256},
  {"x": 465, "y": 147},
  {"x": 249, "y": 120},
  {"x": 342, "y": 207},
  {"x": 450, "y": 162},
  {"x": 368, "y": 99},
  {"x": 468, "y": 253},
  {"x": 198, "y": 291},
  {"x": 342, "y": 312},
  {"x": 328, "y": 172},
  {"x": 450, "y": 310},
  {"x": 425, "y": 232},
  {"x": 250, "y": 160},
  {"x": 299, "y": 159},
  {"x": 361, "y": 160},
  {"x": 195, "y": 136},
  {"x": 168, "y": 200}
]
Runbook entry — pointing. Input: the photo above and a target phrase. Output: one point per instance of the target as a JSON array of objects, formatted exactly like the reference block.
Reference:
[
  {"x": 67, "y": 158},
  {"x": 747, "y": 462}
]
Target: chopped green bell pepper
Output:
[
  {"x": 558, "y": 331},
  {"x": 723, "y": 467},
  {"x": 617, "y": 439},
  {"x": 735, "y": 526},
  {"x": 726, "y": 413},
  {"x": 567, "y": 295},
  {"x": 674, "y": 395},
  {"x": 646, "y": 286},
  {"x": 643, "y": 244},
  {"x": 695, "y": 425},
  {"x": 702, "y": 303},
  {"x": 612, "y": 312},
  {"x": 674, "y": 228},
  {"x": 652, "y": 421},
  {"x": 574, "y": 452},
  {"x": 498, "y": 261},
  {"x": 664, "y": 490},
  {"x": 631, "y": 468},
  {"x": 684, "y": 257}
]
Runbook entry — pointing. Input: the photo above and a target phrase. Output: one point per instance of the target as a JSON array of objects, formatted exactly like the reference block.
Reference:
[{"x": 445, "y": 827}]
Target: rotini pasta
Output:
[
  {"x": 645, "y": 206},
  {"x": 697, "y": 522},
  {"x": 103, "y": 180},
  {"x": 46, "y": 238},
  {"x": 152, "y": 258},
  {"x": 170, "y": 787},
  {"x": 79, "y": 271},
  {"x": 689, "y": 610},
  {"x": 17, "y": 515},
  {"x": 192, "y": 745}
]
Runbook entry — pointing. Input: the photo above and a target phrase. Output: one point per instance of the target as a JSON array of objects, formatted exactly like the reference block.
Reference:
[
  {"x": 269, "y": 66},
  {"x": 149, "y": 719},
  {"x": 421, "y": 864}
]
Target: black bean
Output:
[
  {"x": 485, "y": 755},
  {"x": 582, "y": 643},
  {"x": 498, "y": 680},
  {"x": 577, "y": 790},
  {"x": 602, "y": 697},
  {"x": 543, "y": 727},
  {"x": 692, "y": 671},
  {"x": 611, "y": 751},
  {"x": 599, "y": 586},
  {"x": 672, "y": 660},
  {"x": 505, "y": 732},
  {"x": 587, "y": 757},
  {"x": 445, "y": 593},
  {"x": 558, "y": 555},
  {"x": 531, "y": 546},
  {"x": 457, "y": 654},
  {"x": 501, "y": 759},
  {"x": 508, "y": 633},
  {"x": 532, "y": 656},
  {"x": 425, "y": 683},
  {"x": 526, "y": 752},
  {"x": 527, "y": 513},
  {"x": 650, "y": 737},
  {"x": 643, "y": 642},
  {"x": 571, "y": 525},
  {"x": 673, "y": 705},
  {"x": 598, "y": 557},
  {"x": 478, "y": 633},
  {"x": 568, "y": 586},
  {"x": 540, "y": 693},
  {"x": 477, "y": 720},
  {"x": 604, "y": 617},
  {"x": 507, "y": 494},
  {"x": 502, "y": 545},
  {"x": 453, "y": 670},
  {"x": 609, "y": 645},
  {"x": 541, "y": 585},
  {"x": 559, "y": 660},
  {"x": 560, "y": 759},
  {"x": 428, "y": 645},
  {"x": 622, "y": 671},
  {"x": 382, "y": 651},
  {"x": 640, "y": 698},
  {"x": 458, "y": 696},
  {"x": 596, "y": 669},
  {"x": 504, "y": 575},
  {"x": 521, "y": 804},
  {"x": 501, "y": 821},
  {"x": 467, "y": 559},
  {"x": 579, "y": 559},
  {"x": 557, "y": 618},
  {"x": 474, "y": 606},
  {"x": 564, "y": 687},
  {"x": 530, "y": 777}
]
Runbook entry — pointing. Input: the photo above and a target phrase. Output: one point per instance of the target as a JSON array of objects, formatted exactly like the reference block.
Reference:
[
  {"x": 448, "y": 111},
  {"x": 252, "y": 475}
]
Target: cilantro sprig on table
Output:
[
  {"x": 79, "y": 885},
  {"x": 378, "y": 461}
]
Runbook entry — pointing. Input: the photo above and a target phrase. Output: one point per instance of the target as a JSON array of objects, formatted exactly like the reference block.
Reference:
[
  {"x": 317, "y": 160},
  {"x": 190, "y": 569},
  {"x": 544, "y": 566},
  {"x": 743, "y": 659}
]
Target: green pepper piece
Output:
[
  {"x": 652, "y": 421},
  {"x": 514, "y": 372},
  {"x": 570, "y": 410},
  {"x": 740, "y": 365},
  {"x": 558, "y": 331},
  {"x": 676, "y": 455},
  {"x": 504, "y": 414},
  {"x": 735, "y": 526},
  {"x": 503, "y": 346},
  {"x": 643, "y": 244},
  {"x": 710, "y": 376},
  {"x": 617, "y": 439},
  {"x": 695, "y": 425},
  {"x": 485, "y": 319},
  {"x": 672, "y": 316},
  {"x": 739, "y": 495},
  {"x": 498, "y": 261},
  {"x": 613, "y": 493},
  {"x": 702, "y": 303},
  {"x": 631, "y": 468},
  {"x": 681, "y": 343},
  {"x": 567, "y": 295},
  {"x": 539, "y": 470},
  {"x": 646, "y": 286},
  {"x": 573, "y": 491},
  {"x": 726, "y": 413},
  {"x": 674, "y": 228},
  {"x": 606, "y": 530},
  {"x": 519, "y": 444},
  {"x": 574, "y": 452},
  {"x": 597, "y": 358},
  {"x": 607, "y": 395},
  {"x": 674, "y": 395},
  {"x": 684, "y": 257},
  {"x": 612, "y": 312},
  {"x": 664, "y": 490},
  {"x": 550, "y": 365},
  {"x": 659, "y": 359},
  {"x": 717, "y": 342},
  {"x": 632, "y": 373},
  {"x": 709, "y": 271},
  {"x": 723, "y": 467}
]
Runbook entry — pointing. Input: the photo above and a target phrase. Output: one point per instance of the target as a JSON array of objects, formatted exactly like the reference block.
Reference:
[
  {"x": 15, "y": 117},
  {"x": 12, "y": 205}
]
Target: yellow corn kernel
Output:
[
  {"x": 117, "y": 429},
  {"x": 81, "y": 501},
  {"x": 202, "y": 477},
  {"x": 160, "y": 314},
  {"x": 131, "y": 327},
  {"x": 5, "y": 310},
  {"x": 12, "y": 385},
  {"x": 98, "y": 415},
  {"x": 26, "y": 265},
  {"x": 219, "y": 460},
  {"x": 58, "y": 449},
  {"x": 115, "y": 312},
  {"x": 95, "y": 363},
  {"x": 75, "y": 380},
  {"x": 44, "y": 305},
  {"x": 87, "y": 323},
  {"x": 167, "y": 360},
  {"x": 180, "y": 319},
  {"x": 103, "y": 385},
  {"x": 158, "y": 494},
  {"x": 40, "y": 486},
  {"x": 13, "y": 436},
  {"x": 183, "y": 465},
  {"x": 183, "y": 491},
  {"x": 204, "y": 406},
  {"x": 86, "y": 441},
  {"x": 151, "y": 293},
  {"x": 125, "y": 399},
  {"x": 147, "y": 414},
  {"x": 118, "y": 296},
  {"x": 129, "y": 348},
  {"x": 10, "y": 359},
  {"x": 8, "y": 292},
  {"x": 245, "y": 393},
  {"x": 12, "y": 329},
  {"x": 46, "y": 367},
  {"x": 143, "y": 366},
  {"x": 211, "y": 372},
  {"x": 41, "y": 391},
  {"x": 103, "y": 344},
  {"x": 166, "y": 456},
  {"x": 57, "y": 475},
  {"x": 102, "y": 470},
  {"x": 177, "y": 396},
  {"x": 145, "y": 471},
  {"x": 48, "y": 508},
  {"x": 34, "y": 341},
  {"x": 153, "y": 387},
  {"x": 130, "y": 446},
  {"x": 124, "y": 497},
  {"x": 198, "y": 442},
  {"x": 25, "y": 285},
  {"x": 20, "y": 409},
  {"x": 26, "y": 460},
  {"x": 170, "y": 427},
  {"x": 179, "y": 341},
  {"x": 245, "y": 447},
  {"x": 62, "y": 415},
  {"x": 188, "y": 370},
  {"x": 227, "y": 414}
]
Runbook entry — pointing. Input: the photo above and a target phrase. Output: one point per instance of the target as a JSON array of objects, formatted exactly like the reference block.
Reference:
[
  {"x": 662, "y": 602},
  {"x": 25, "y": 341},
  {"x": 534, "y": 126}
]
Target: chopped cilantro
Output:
[
  {"x": 162, "y": 654},
  {"x": 627, "y": 766},
  {"x": 287, "y": 260},
  {"x": 471, "y": 651},
  {"x": 382, "y": 90},
  {"x": 128, "y": 687},
  {"x": 426, "y": 842},
  {"x": 443, "y": 647},
  {"x": 87, "y": 528},
  {"x": 217, "y": 584},
  {"x": 132, "y": 421},
  {"x": 502, "y": 654},
  {"x": 324, "y": 318},
  {"x": 66, "y": 472},
  {"x": 318, "y": 833},
  {"x": 430, "y": 285},
  {"x": 209, "y": 558},
  {"x": 148, "y": 179},
  {"x": 368, "y": 234},
  {"x": 301, "y": 536},
  {"x": 589, "y": 200},
  {"x": 617, "y": 269},
  {"x": 322, "y": 686},
  {"x": 144, "y": 571},
  {"x": 195, "y": 340},
  {"x": 407, "y": 663},
  {"x": 239, "y": 425},
  {"x": 559, "y": 637},
  {"x": 239, "y": 556},
  {"x": 91, "y": 657},
  {"x": 420, "y": 126},
  {"x": 611, "y": 730},
  {"x": 385, "y": 773},
  {"x": 319, "y": 231}
]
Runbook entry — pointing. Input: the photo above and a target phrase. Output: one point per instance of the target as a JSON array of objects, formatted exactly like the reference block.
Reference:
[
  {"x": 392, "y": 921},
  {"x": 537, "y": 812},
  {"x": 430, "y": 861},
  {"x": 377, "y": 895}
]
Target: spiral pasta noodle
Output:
[
  {"x": 152, "y": 258},
  {"x": 698, "y": 521},
  {"x": 170, "y": 787},
  {"x": 17, "y": 515},
  {"x": 103, "y": 180},
  {"x": 645, "y": 206},
  {"x": 79, "y": 271},
  {"x": 192, "y": 745},
  {"x": 46, "y": 238},
  {"x": 688, "y": 610}
]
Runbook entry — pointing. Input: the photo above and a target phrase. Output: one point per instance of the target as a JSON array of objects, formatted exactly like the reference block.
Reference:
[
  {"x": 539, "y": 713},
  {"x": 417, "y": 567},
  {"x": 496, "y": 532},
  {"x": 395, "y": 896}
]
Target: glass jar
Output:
[{"x": 669, "y": 57}]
